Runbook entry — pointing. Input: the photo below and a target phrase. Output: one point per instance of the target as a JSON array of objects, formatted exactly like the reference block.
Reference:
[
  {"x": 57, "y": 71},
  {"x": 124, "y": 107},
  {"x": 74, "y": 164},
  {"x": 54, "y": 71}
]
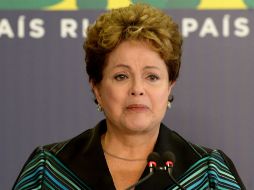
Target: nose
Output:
[
  {"x": 137, "y": 88},
  {"x": 137, "y": 93}
]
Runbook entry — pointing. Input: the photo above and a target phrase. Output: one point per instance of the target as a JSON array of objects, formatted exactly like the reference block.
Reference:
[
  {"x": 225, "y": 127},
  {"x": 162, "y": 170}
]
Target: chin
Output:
[{"x": 140, "y": 126}]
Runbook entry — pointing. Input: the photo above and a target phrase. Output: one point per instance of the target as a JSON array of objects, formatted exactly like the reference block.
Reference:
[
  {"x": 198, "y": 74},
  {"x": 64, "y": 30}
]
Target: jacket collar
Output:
[{"x": 84, "y": 156}]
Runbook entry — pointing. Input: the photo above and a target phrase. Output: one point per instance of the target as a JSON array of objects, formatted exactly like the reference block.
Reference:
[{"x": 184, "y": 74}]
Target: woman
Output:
[{"x": 133, "y": 60}]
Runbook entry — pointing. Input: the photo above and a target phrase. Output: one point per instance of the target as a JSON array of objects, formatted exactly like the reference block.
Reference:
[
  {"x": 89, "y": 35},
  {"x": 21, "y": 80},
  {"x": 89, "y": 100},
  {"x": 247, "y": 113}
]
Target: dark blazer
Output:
[{"x": 79, "y": 163}]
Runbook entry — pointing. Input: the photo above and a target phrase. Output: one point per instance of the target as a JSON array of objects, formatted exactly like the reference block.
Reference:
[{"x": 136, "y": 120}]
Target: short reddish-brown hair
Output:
[{"x": 139, "y": 22}]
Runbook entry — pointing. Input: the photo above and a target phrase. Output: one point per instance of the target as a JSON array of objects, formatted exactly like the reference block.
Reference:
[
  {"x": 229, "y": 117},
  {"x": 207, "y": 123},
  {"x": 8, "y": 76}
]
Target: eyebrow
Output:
[
  {"x": 122, "y": 65},
  {"x": 128, "y": 67}
]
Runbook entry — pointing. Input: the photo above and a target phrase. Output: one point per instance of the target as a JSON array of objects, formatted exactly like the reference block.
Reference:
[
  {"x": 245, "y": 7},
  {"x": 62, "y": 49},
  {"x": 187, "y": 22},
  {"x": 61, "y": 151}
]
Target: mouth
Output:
[{"x": 137, "y": 107}]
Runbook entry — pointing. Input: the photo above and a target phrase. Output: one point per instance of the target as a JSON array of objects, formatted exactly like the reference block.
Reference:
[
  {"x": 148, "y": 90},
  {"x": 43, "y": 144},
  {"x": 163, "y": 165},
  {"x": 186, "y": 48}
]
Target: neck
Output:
[{"x": 129, "y": 146}]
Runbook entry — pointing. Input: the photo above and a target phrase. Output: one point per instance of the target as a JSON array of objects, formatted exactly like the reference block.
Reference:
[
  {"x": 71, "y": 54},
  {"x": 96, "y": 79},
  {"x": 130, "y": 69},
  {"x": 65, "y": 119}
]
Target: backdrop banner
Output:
[{"x": 45, "y": 96}]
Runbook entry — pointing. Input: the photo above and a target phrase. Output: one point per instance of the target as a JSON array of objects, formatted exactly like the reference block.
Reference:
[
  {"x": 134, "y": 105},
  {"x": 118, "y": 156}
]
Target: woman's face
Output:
[{"x": 135, "y": 88}]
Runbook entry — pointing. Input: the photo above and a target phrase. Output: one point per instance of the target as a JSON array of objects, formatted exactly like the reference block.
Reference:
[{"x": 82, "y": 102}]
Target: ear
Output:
[{"x": 96, "y": 91}]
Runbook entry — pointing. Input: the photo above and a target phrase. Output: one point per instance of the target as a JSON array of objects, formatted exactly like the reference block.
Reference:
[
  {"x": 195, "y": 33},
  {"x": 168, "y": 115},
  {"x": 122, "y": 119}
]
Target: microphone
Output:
[
  {"x": 169, "y": 160},
  {"x": 152, "y": 160}
]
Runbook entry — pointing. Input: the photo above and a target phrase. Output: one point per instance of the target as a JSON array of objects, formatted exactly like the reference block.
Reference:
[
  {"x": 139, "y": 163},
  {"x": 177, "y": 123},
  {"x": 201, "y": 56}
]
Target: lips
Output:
[{"x": 137, "y": 107}]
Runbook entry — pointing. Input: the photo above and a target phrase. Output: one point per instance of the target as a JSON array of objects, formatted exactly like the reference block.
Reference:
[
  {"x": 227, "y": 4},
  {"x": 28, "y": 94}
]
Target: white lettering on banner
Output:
[
  {"x": 21, "y": 26},
  {"x": 189, "y": 25},
  {"x": 85, "y": 24},
  {"x": 242, "y": 27},
  {"x": 68, "y": 28},
  {"x": 5, "y": 28},
  {"x": 208, "y": 27},
  {"x": 226, "y": 26},
  {"x": 37, "y": 29}
]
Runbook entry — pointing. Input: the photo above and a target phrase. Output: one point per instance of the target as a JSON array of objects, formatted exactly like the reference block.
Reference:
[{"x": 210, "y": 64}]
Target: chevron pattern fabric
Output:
[
  {"x": 46, "y": 171},
  {"x": 210, "y": 172}
]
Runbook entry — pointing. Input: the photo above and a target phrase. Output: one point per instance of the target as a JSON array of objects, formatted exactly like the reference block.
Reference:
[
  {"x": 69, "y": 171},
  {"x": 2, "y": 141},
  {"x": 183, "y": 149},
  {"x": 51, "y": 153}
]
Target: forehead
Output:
[{"x": 133, "y": 53}]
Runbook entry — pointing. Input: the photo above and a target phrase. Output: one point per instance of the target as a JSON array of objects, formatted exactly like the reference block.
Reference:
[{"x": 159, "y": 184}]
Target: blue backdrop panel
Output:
[{"x": 45, "y": 97}]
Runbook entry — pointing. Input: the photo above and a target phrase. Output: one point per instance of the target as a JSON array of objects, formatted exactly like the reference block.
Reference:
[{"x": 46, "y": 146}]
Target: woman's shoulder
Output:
[
  {"x": 215, "y": 162},
  {"x": 88, "y": 139},
  {"x": 212, "y": 163},
  {"x": 82, "y": 140},
  {"x": 45, "y": 168}
]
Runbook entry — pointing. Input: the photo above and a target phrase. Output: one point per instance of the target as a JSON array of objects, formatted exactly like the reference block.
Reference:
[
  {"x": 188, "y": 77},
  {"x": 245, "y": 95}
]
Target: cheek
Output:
[
  {"x": 111, "y": 96},
  {"x": 160, "y": 97}
]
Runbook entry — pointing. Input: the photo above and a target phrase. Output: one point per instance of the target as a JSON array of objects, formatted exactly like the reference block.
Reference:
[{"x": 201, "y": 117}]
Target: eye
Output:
[
  {"x": 153, "y": 77},
  {"x": 120, "y": 77}
]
